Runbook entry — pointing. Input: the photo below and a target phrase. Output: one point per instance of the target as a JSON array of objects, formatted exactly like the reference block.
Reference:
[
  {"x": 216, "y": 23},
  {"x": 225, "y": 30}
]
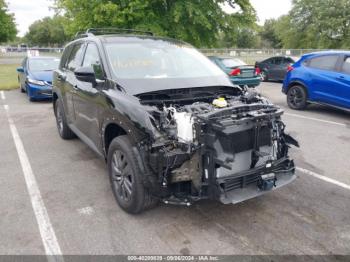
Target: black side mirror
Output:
[
  {"x": 20, "y": 69},
  {"x": 85, "y": 74}
]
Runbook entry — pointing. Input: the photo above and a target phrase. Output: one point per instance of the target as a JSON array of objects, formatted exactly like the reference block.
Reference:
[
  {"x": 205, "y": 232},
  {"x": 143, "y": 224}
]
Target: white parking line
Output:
[
  {"x": 47, "y": 232},
  {"x": 2, "y": 95},
  {"x": 324, "y": 178},
  {"x": 316, "y": 119}
]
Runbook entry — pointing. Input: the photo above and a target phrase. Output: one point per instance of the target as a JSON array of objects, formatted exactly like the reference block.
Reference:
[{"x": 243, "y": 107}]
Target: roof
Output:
[
  {"x": 329, "y": 52},
  {"x": 126, "y": 35},
  {"x": 224, "y": 57},
  {"x": 137, "y": 38}
]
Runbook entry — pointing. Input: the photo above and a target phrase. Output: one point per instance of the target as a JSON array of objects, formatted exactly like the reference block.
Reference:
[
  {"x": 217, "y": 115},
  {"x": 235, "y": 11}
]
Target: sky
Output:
[{"x": 26, "y": 12}]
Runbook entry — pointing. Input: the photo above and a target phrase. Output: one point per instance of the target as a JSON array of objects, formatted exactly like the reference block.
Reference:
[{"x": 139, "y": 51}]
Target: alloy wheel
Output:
[
  {"x": 59, "y": 118},
  {"x": 122, "y": 178},
  {"x": 296, "y": 97}
]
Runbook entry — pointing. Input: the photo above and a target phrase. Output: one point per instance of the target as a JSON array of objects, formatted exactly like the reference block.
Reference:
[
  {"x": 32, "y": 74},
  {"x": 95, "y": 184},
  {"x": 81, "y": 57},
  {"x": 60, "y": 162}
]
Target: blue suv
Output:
[{"x": 321, "y": 77}]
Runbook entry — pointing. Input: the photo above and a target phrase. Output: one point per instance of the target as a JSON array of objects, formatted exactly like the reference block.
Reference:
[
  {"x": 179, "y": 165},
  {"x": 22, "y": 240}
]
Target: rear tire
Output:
[
  {"x": 297, "y": 97},
  {"x": 126, "y": 177},
  {"x": 61, "y": 122}
]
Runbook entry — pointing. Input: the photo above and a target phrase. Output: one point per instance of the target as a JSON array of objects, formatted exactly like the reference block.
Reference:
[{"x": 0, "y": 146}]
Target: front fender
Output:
[{"x": 127, "y": 112}]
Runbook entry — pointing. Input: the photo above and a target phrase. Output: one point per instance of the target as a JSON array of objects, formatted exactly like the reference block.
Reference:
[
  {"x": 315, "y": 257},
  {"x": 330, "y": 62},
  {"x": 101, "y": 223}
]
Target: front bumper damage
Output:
[
  {"x": 237, "y": 153},
  {"x": 241, "y": 187}
]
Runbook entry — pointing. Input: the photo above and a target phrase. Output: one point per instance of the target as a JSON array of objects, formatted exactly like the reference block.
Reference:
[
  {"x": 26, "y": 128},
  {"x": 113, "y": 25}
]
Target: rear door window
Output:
[
  {"x": 278, "y": 61},
  {"x": 76, "y": 57},
  {"x": 327, "y": 62},
  {"x": 269, "y": 61},
  {"x": 346, "y": 66}
]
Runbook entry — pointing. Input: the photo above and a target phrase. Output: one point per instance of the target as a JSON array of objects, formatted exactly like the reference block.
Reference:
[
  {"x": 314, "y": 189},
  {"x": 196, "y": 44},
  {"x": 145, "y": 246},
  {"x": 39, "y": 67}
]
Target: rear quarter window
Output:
[{"x": 327, "y": 62}]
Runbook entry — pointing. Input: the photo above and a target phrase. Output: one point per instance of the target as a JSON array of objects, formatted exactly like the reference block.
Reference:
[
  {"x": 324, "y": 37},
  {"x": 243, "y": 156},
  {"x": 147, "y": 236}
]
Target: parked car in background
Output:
[
  {"x": 321, "y": 77},
  {"x": 239, "y": 72},
  {"x": 35, "y": 76},
  {"x": 275, "y": 68}
]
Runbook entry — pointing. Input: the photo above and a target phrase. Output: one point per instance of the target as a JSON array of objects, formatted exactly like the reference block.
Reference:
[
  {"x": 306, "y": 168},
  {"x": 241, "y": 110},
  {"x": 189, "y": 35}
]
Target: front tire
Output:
[
  {"x": 61, "y": 121},
  {"x": 21, "y": 88},
  {"x": 126, "y": 177},
  {"x": 297, "y": 97}
]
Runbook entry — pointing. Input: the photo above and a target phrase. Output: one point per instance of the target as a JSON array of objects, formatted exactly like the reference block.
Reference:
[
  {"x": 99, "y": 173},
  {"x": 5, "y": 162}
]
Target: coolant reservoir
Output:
[
  {"x": 184, "y": 123},
  {"x": 220, "y": 102}
]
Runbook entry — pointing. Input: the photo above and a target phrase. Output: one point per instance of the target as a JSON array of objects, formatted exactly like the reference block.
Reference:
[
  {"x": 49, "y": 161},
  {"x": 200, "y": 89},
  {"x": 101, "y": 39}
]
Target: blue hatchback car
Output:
[
  {"x": 321, "y": 77},
  {"x": 35, "y": 76}
]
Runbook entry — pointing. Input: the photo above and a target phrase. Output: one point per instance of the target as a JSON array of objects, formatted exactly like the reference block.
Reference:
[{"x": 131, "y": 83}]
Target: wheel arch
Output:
[
  {"x": 54, "y": 99},
  {"x": 111, "y": 131},
  {"x": 299, "y": 83}
]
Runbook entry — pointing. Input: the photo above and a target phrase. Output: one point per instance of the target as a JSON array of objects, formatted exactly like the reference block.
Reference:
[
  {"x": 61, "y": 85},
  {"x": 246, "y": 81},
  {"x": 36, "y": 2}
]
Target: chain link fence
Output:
[
  {"x": 14, "y": 55},
  {"x": 250, "y": 56}
]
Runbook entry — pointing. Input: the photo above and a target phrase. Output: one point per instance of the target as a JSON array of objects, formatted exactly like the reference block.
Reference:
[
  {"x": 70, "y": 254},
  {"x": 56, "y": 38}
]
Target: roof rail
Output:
[
  {"x": 80, "y": 34},
  {"x": 113, "y": 30}
]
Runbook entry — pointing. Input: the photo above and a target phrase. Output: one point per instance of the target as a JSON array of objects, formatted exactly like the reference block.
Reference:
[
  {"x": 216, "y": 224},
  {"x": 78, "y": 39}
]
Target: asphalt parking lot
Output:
[{"x": 310, "y": 216}]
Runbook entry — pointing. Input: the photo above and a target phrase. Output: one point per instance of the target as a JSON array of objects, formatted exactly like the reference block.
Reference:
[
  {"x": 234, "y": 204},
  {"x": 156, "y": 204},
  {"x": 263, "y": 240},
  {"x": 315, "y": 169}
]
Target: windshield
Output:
[
  {"x": 158, "y": 59},
  {"x": 43, "y": 64},
  {"x": 233, "y": 62}
]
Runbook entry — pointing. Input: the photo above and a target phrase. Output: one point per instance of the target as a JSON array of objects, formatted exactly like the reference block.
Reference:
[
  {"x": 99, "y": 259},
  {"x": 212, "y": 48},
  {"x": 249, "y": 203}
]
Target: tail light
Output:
[
  {"x": 235, "y": 72},
  {"x": 290, "y": 68},
  {"x": 257, "y": 71}
]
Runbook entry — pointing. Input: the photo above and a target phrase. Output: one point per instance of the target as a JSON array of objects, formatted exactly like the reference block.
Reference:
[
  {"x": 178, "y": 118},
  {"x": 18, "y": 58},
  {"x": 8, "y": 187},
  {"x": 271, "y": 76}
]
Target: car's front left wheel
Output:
[{"x": 126, "y": 177}]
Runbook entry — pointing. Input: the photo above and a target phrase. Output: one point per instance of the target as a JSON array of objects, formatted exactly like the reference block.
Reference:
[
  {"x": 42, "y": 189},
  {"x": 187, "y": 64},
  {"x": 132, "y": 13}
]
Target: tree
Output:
[
  {"x": 47, "y": 32},
  {"x": 269, "y": 35},
  {"x": 323, "y": 23},
  {"x": 198, "y": 21},
  {"x": 248, "y": 38},
  {"x": 315, "y": 24},
  {"x": 8, "y": 29}
]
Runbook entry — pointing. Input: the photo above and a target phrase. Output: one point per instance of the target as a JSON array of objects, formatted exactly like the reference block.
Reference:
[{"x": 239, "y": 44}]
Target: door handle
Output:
[
  {"x": 341, "y": 77},
  {"x": 75, "y": 87}
]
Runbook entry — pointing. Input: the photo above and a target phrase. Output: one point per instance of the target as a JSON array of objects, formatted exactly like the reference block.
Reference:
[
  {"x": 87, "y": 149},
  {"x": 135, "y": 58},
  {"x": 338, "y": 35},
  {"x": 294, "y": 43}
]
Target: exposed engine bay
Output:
[{"x": 228, "y": 146}]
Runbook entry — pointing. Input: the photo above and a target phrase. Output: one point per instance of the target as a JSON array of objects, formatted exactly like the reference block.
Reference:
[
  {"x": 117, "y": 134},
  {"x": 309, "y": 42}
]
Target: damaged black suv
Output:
[{"x": 169, "y": 123}]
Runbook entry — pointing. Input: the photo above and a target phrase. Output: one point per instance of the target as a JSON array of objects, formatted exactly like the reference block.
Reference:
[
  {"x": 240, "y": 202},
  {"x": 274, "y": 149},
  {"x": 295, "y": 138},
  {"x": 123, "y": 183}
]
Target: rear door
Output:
[
  {"x": 283, "y": 68},
  {"x": 67, "y": 80},
  {"x": 323, "y": 74},
  {"x": 87, "y": 97},
  {"x": 275, "y": 68}
]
